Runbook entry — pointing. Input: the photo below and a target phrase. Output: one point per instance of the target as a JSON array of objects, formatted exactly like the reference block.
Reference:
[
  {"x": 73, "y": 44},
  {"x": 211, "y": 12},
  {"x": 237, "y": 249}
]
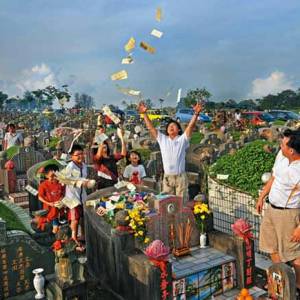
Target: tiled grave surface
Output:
[{"x": 204, "y": 273}]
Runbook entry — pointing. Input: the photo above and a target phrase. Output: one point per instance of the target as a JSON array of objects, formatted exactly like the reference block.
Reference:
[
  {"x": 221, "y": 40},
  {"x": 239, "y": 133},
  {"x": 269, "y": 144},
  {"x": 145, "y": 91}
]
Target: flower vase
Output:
[
  {"x": 38, "y": 283},
  {"x": 203, "y": 239}
]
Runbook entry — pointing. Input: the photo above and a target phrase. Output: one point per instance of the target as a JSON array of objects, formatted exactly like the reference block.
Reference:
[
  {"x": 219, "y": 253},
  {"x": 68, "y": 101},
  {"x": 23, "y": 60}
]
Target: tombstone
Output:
[
  {"x": 43, "y": 139},
  {"x": 26, "y": 158},
  {"x": 281, "y": 282},
  {"x": 171, "y": 213},
  {"x": 19, "y": 255}
]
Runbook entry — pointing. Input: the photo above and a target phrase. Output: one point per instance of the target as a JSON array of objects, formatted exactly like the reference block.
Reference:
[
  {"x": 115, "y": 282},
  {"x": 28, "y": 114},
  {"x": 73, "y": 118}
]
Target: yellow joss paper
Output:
[
  {"x": 156, "y": 33},
  {"x": 158, "y": 15},
  {"x": 130, "y": 44},
  {"x": 119, "y": 75},
  {"x": 147, "y": 47}
]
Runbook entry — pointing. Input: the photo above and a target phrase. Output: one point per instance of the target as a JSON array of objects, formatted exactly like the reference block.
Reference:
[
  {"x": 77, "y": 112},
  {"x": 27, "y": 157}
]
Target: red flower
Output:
[{"x": 57, "y": 245}]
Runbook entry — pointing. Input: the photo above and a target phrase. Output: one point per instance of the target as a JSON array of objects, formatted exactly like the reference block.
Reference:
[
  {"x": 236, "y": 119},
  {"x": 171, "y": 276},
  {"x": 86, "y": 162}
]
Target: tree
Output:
[
  {"x": 161, "y": 101},
  {"x": 84, "y": 101},
  {"x": 149, "y": 103},
  {"x": 3, "y": 98},
  {"x": 194, "y": 96}
]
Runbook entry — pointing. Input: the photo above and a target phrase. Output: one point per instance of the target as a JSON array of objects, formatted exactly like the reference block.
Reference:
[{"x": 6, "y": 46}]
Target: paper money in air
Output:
[
  {"x": 130, "y": 44},
  {"x": 119, "y": 75},
  {"x": 157, "y": 33},
  {"x": 127, "y": 60},
  {"x": 111, "y": 115},
  {"x": 147, "y": 47},
  {"x": 158, "y": 15},
  {"x": 128, "y": 91}
]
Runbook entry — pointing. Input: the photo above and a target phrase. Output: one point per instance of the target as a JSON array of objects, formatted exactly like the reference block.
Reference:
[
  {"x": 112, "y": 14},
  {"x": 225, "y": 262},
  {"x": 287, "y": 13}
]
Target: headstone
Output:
[
  {"x": 281, "y": 282},
  {"x": 26, "y": 158},
  {"x": 171, "y": 216},
  {"x": 19, "y": 255}
]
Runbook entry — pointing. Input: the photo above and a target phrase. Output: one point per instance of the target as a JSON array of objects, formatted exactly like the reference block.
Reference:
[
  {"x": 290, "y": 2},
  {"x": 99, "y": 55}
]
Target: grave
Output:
[{"x": 19, "y": 255}]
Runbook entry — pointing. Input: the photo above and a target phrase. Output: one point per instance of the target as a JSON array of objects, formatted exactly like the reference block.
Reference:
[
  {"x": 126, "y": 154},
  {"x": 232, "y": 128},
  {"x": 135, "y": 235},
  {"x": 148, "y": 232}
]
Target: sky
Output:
[{"x": 236, "y": 49}]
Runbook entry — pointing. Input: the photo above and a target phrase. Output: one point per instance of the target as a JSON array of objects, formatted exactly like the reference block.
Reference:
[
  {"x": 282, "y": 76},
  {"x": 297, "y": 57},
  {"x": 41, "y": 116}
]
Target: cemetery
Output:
[
  {"x": 149, "y": 153},
  {"x": 156, "y": 244}
]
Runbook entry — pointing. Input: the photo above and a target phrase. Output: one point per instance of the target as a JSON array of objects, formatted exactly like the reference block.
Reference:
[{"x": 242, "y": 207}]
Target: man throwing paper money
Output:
[{"x": 173, "y": 145}]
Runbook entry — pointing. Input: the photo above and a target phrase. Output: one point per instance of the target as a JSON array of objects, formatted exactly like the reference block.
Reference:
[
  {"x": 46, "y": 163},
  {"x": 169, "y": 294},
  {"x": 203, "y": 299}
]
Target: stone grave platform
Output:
[{"x": 203, "y": 273}]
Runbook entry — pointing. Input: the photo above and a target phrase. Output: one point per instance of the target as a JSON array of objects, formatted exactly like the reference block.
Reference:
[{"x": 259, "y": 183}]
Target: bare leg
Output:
[{"x": 74, "y": 228}]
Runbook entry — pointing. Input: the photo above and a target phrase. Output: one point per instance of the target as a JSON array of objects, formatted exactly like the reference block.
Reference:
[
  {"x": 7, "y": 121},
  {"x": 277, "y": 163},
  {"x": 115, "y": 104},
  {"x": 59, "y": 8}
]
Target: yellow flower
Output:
[
  {"x": 202, "y": 217},
  {"x": 133, "y": 227},
  {"x": 140, "y": 223},
  {"x": 135, "y": 234},
  {"x": 141, "y": 233},
  {"x": 146, "y": 241},
  {"x": 127, "y": 218}
]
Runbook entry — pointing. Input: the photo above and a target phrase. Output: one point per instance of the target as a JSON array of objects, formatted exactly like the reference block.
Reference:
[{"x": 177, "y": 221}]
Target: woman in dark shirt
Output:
[{"x": 106, "y": 164}]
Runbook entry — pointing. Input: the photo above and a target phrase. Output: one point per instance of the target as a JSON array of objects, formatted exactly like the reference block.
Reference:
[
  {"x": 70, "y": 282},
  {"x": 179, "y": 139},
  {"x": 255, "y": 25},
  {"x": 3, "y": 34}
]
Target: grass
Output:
[{"x": 12, "y": 222}]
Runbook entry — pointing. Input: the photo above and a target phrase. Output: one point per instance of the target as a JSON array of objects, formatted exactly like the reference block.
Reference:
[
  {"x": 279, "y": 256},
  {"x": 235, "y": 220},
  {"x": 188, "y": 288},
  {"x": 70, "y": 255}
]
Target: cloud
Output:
[
  {"x": 275, "y": 83},
  {"x": 38, "y": 77}
]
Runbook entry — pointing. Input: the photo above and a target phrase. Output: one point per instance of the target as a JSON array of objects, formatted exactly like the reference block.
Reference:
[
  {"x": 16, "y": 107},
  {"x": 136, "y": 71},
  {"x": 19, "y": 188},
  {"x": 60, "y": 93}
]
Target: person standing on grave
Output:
[
  {"x": 280, "y": 227},
  {"x": 78, "y": 170},
  {"x": 106, "y": 163},
  {"x": 12, "y": 138},
  {"x": 50, "y": 193},
  {"x": 173, "y": 146}
]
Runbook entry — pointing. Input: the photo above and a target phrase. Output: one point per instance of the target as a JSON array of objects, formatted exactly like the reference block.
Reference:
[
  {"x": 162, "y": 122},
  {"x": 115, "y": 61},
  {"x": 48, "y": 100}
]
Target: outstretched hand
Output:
[
  {"x": 142, "y": 108},
  {"x": 197, "y": 108}
]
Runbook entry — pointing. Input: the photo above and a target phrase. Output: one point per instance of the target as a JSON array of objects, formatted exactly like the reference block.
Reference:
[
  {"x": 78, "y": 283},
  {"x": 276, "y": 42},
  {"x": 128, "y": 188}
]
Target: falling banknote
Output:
[
  {"x": 128, "y": 91},
  {"x": 111, "y": 115},
  {"x": 158, "y": 15},
  {"x": 147, "y": 47},
  {"x": 127, "y": 60},
  {"x": 130, "y": 44},
  {"x": 119, "y": 75},
  {"x": 156, "y": 33}
]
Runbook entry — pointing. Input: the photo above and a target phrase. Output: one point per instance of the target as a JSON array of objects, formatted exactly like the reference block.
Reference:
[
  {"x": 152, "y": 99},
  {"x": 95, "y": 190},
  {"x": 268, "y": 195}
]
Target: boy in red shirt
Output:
[{"x": 50, "y": 193}]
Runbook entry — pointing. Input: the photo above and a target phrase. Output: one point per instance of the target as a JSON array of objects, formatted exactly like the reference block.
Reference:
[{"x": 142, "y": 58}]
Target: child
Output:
[
  {"x": 134, "y": 170},
  {"x": 76, "y": 168},
  {"x": 50, "y": 193}
]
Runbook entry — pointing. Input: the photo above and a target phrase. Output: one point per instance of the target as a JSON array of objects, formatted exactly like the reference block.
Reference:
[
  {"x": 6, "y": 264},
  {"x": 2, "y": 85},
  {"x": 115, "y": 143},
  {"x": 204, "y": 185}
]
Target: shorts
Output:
[
  {"x": 55, "y": 222},
  {"x": 276, "y": 231},
  {"x": 176, "y": 185},
  {"x": 75, "y": 213}
]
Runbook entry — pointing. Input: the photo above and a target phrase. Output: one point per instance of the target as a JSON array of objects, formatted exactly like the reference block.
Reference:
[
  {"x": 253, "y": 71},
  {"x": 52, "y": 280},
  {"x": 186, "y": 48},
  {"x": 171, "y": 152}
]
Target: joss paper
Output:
[
  {"x": 127, "y": 60},
  {"x": 156, "y": 33},
  {"x": 158, "y": 15},
  {"x": 147, "y": 47},
  {"x": 111, "y": 115},
  {"x": 130, "y": 44},
  {"x": 119, "y": 75}
]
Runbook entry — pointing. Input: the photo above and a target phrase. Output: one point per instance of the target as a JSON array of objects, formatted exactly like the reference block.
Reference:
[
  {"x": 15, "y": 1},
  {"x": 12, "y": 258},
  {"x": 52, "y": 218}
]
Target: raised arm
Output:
[
  {"x": 120, "y": 134},
  {"x": 189, "y": 130},
  {"x": 142, "y": 108}
]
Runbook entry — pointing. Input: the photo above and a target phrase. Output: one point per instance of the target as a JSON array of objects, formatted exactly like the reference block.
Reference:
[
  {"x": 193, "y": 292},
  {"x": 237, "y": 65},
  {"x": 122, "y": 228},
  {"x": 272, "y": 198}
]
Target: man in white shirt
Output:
[
  {"x": 12, "y": 138},
  {"x": 280, "y": 228},
  {"x": 173, "y": 146}
]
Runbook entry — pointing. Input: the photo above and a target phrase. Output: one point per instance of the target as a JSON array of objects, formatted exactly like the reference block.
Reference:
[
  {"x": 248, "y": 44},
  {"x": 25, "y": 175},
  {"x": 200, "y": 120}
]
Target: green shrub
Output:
[{"x": 245, "y": 167}]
